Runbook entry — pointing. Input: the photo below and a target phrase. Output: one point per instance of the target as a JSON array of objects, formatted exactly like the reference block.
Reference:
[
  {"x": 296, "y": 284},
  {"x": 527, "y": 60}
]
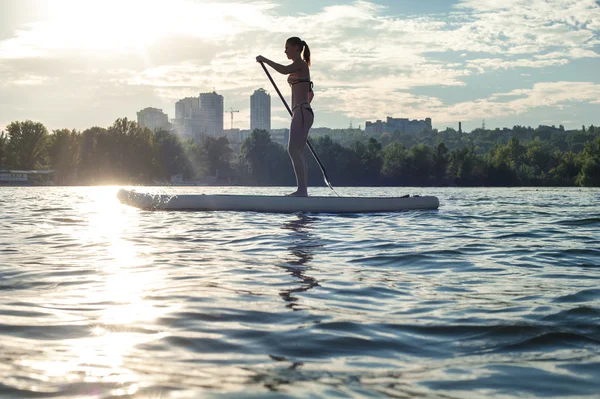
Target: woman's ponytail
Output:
[{"x": 306, "y": 54}]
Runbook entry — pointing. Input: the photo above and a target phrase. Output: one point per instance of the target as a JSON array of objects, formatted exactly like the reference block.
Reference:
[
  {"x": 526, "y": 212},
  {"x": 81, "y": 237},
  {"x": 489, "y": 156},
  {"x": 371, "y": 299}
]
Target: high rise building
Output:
[
  {"x": 211, "y": 114},
  {"x": 188, "y": 107},
  {"x": 187, "y": 118},
  {"x": 260, "y": 110},
  {"x": 200, "y": 116},
  {"x": 153, "y": 118}
]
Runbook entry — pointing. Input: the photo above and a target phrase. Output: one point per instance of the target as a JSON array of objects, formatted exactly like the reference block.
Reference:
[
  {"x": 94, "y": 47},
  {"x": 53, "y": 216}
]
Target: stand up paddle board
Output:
[{"x": 275, "y": 204}]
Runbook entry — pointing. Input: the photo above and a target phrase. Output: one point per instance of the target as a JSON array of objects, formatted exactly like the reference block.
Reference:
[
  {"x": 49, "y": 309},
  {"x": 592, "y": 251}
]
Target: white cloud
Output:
[
  {"x": 576, "y": 53},
  {"x": 544, "y": 94},
  {"x": 486, "y": 64},
  {"x": 363, "y": 103},
  {"x": 366, "y": 103},
  {"x": 30, "y": 80},
  {"x": 365, "y": 60},
  {"x": 530, "y": 26}
]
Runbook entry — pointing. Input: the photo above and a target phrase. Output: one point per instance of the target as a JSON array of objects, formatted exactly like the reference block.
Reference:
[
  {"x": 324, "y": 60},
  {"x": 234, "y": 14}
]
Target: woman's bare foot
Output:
[{"x": 298, "y": 193}]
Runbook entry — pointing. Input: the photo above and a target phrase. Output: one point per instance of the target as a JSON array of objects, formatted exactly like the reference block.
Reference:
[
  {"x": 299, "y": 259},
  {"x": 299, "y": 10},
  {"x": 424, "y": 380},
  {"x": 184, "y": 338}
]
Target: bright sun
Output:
[
  {"x": 102, "y": 25},
  {"x": 124, "y": 25}
]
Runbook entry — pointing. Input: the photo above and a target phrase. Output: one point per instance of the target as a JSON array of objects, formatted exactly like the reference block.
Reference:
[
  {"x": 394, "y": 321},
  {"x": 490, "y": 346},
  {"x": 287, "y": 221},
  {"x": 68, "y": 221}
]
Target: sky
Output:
[{"x": 81, "y": 63}]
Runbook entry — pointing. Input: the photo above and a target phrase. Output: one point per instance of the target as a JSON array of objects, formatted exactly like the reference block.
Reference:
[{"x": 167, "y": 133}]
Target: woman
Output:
[{"x": 302, "y": 114}]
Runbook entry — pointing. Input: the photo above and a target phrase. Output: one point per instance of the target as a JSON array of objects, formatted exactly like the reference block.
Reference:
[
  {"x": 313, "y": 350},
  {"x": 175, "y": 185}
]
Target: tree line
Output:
[{"x": 126, "y": 153}]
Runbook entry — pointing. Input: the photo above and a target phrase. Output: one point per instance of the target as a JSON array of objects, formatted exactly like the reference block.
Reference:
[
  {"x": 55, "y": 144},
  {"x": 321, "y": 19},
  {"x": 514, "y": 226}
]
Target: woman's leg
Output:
[{"x": 299, "y": 128}]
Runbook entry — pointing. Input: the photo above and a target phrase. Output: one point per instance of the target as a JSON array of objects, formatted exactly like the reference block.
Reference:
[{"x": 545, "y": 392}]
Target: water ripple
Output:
[{"x": 493, "y": 295}]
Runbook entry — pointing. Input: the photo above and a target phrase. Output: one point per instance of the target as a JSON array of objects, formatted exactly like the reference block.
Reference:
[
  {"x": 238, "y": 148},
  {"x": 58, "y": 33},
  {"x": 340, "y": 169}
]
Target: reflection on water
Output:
[
  {"x": 115, "y": 299},
  {"x": 494, "y": 295},
  {"x": 303, "y": 243}
]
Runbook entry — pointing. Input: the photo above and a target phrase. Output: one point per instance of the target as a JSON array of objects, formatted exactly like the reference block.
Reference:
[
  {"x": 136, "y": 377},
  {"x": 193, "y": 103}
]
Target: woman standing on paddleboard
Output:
[{"x": 302, "y": 114}]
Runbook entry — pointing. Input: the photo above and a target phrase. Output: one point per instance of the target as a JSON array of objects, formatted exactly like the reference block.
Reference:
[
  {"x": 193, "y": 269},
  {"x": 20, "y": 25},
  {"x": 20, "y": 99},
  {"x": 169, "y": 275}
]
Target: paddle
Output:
[{"x": 307, "y": 142}]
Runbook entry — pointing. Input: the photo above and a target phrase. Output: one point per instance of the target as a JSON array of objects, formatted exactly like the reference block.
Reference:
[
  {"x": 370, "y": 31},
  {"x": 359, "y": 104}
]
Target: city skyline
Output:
[
  {"x": 519, "y": 62},
  {"x": 195, "y": 117}
]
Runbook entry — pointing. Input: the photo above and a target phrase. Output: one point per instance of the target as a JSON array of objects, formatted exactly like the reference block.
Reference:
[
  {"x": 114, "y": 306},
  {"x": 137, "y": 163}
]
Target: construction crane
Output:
[{"x": 231, "y": 111}]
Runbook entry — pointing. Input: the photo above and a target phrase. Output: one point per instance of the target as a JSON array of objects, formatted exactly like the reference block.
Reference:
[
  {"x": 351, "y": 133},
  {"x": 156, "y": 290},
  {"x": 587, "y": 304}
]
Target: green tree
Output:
[
  {"x": 538, "y": 160},
  {"x": 264, "y": 160},
  {"x": 132, "y": 151},
  {"x": 211, "y": 157},
  {"x": 27, "y": 141},
  {"x": 218, "y": 154},
  {"x": 124, "y": 153},
  {"x": 198, "y": 158},
  {"x": 395, "y": 164},
  {"x": 504, "y": 162},
  {"x": 440, "y": 163},
  {"x": 368, "y": 162},
  {"x": 63, "y": 154},
  {"x": 4, "y": 151},
  {"x": 566, "y": 171},
  {"x": 577, "y": 140},
  {"x": 421, "y": 170},
  {"x": 385, "y": 139},
  {"x": 372, "y": 160},
  {"x": 340, "y": 162},
  {"x": 91, "y": 158},
  {"x": 589, "y": 176},
  {"x": 465, "y": 168},
  {"x": 171, "y": 155}
]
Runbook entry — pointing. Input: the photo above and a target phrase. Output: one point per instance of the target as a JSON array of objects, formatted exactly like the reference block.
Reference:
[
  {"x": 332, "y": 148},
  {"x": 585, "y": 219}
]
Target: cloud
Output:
[
  {"x": 366, "y": 60},
  {"x": 366, "y": 104},
  {"x": 533, "y": 26},
  {"x": 543, "y": 94},
  {"x": 490, "y": 64}
]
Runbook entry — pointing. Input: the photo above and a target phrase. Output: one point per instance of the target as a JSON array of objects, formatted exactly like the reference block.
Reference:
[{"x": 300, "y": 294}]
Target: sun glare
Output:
[
  {"x": 127, "y": 279},
  {"x": 104, "y": 25},
  {"x": 124, "y": 282},
  {"x": 121, "y": 25}
]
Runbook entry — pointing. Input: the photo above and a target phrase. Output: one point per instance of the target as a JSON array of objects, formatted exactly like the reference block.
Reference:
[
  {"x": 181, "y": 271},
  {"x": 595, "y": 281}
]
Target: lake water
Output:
[{"x": 496, "y": 294}]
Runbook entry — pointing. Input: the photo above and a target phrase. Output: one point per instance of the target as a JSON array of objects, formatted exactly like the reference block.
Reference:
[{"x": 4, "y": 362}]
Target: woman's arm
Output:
[{"x": 283, "y": 69}]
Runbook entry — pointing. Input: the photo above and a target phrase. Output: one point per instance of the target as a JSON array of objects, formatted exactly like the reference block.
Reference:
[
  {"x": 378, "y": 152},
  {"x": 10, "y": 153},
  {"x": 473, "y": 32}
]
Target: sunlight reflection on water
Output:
[
  {"x": 124, "y": 277},
  {"x": 102, "y": 300}
]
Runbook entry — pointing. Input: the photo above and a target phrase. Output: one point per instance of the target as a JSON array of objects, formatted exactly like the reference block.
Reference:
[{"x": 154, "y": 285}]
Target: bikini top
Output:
[{"x": 292, "y": 81}]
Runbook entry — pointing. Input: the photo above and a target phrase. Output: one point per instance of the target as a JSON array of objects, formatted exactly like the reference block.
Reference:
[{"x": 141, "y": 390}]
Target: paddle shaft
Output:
[{"x": 307, "y": 142}]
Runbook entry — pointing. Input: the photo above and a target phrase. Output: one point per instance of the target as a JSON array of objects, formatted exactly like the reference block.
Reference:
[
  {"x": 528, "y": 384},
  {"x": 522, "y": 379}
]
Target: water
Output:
[{"x": 496, "y": 294}]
